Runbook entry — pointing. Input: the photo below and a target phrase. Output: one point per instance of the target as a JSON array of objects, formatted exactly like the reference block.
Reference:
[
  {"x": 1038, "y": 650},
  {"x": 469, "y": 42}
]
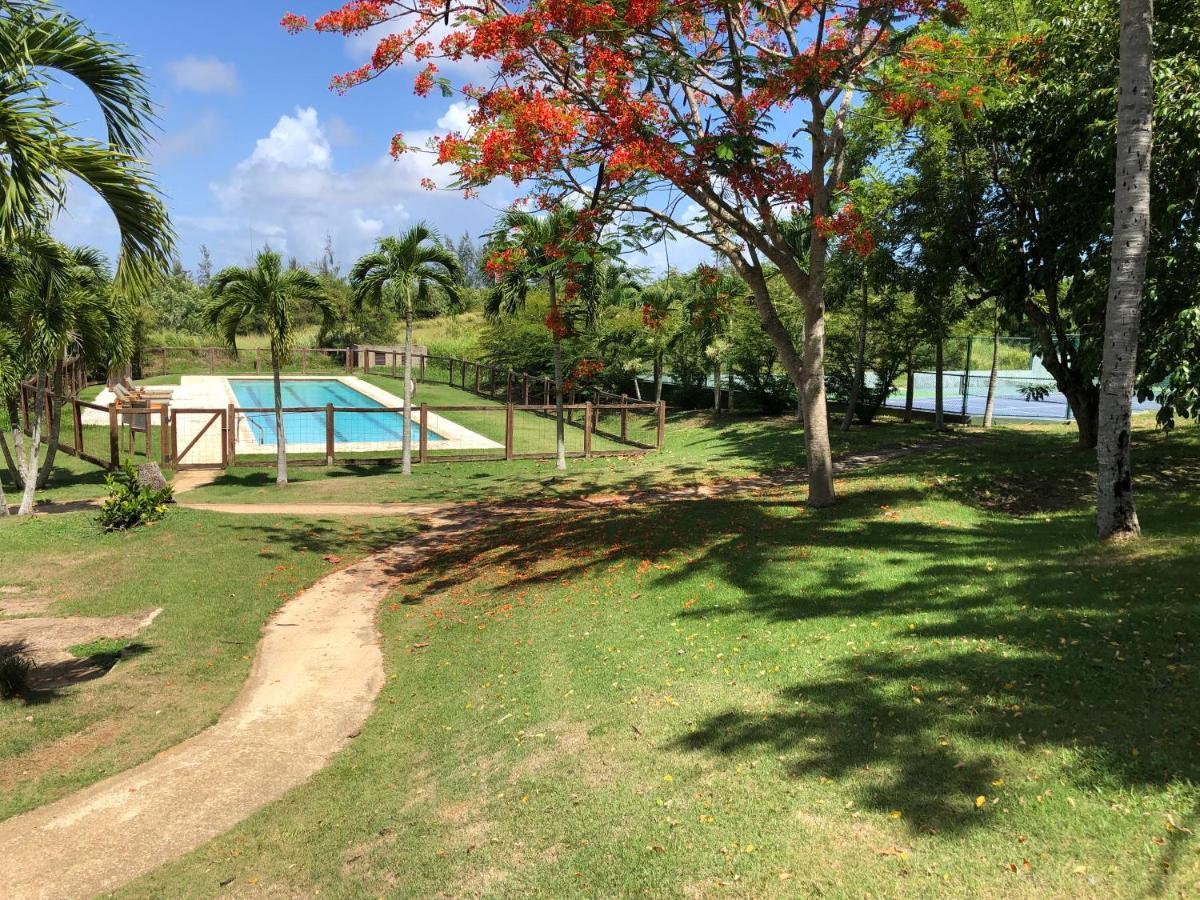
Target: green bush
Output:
[
  {"x": 15, "y": 670},
  {"x": 131, "y": 503}
]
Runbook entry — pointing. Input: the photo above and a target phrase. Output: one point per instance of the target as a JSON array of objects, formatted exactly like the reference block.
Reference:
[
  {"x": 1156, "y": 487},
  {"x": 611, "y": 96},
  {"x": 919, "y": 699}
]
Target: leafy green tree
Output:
[
  {"x": 401, "y": 274},
  {"x": 524, "y": 250},
  {"x": 38, "y": 44},
  {"x": 59, "y": 309},
  {"x": 264, "y": 299}
]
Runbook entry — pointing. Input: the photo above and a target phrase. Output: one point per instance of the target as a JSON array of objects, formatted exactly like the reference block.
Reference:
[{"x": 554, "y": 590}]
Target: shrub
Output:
[
  {"x": 131, "y": 502},
  {"x": 15, "y": 670}
]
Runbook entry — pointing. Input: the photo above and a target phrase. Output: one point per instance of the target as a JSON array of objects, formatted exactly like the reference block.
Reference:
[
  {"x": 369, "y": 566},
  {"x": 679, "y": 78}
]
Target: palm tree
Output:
[
  {"x": 38, "y": 43},
  {"x": 1116, "y": 515},
  {"x": 263, "y": 299},
  {"x": 534, "y": 245},
  {"x": 400, "y": 273},
  {"x": 58, "y": 307}
]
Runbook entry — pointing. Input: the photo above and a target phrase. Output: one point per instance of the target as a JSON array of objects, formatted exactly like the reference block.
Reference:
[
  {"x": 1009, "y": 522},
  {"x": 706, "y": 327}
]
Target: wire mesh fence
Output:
[{"x": 1023, "y": 388}]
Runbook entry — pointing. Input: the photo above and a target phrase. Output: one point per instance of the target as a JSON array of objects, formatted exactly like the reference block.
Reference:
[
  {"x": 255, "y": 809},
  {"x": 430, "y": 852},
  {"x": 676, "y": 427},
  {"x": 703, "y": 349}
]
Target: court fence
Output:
[
  {"x": 517, "y": 422},
  {"x": 1023, "y": 389}
]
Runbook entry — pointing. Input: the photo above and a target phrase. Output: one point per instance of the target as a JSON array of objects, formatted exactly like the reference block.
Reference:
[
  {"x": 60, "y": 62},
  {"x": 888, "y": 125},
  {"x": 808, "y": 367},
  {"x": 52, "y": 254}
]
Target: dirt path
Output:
[{"x": 314, "y": 680}]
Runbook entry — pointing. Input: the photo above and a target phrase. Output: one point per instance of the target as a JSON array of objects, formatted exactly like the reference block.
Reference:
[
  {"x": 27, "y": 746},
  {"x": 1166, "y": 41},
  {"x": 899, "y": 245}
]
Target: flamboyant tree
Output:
[{"x": 715, "y": 120}]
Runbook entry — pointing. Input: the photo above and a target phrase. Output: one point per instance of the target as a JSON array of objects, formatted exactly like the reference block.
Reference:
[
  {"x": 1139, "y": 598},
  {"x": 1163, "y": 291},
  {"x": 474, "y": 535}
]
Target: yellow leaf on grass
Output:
[
  {"x": 895, "y": 814},
  {"x": 980, "y": 800}
]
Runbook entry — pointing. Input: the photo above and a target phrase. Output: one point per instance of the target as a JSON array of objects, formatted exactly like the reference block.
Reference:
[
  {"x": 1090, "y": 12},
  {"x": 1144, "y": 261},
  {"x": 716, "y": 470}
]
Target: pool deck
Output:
[{"x": 212, "y": 393}]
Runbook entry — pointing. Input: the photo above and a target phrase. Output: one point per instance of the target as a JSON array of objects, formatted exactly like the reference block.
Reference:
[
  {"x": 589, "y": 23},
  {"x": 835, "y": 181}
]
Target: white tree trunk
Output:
[
  {"x": 560, "y": 432},
  {"x": 406, "y": 440},
  {"x": 29, "y": 458},
  {"x": 1115, "y": 512},
  {"x": 939, "y": 416},
  {"x": 280, "y": 437}
]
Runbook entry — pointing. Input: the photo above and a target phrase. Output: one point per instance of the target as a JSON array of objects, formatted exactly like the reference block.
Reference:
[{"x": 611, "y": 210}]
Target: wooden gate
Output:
[{"x": 199, "y": 438}]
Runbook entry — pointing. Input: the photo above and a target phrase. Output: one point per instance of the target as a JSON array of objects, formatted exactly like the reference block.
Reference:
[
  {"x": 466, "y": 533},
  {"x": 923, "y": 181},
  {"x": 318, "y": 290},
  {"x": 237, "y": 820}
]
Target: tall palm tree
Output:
[
  {"x": 400, "y": 273},
  {"x": 1116, "y": 515},
  {"x": 39, "y": 43},
  {"x": 535, "y": 245},
  {"x": 263, "y": 299},
  {"x": 58, "y": 306}
]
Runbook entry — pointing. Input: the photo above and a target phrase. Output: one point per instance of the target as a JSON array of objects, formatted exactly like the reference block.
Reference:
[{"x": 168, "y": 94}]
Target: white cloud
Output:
[
  {"x": 456, "y": 118},
  {"x": 291, "y": 190},
  {"x": 204, "y": 75}
]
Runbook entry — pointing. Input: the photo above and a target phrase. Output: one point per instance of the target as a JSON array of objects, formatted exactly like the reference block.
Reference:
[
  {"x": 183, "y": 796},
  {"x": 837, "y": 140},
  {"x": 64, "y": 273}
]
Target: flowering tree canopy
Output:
[{"x": 721, "y": 121}]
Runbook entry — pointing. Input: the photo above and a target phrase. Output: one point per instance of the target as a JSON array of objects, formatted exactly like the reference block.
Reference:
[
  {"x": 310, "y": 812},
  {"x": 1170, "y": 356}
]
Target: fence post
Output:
[
  {"x": 421, "y": 375},
  {"x": 508, "y": 388},
  {"x": 329, "y": 434},
  {"x": 525, "y": 379},
  {"x": 477, "y": 378},
  {"x": 114, "y": 436},
  {"x": 77, "y": 425},
  {"x": 349, "y": 360},
  {"x": 257, "y": 359},
  {"x": 587, "y": 429},
  {"x": 366, "y": 364},
  {"x": 164, "y": 439},
  {"x": 423, "y": 439},
  {"x": 662, "y": 424},
  {"x": 967, "y": 378},
  {"x": 508, "y": 431},
  {"x": 212, "y": 360},
  {"x": 164, "y": 358},
  {"x": 228, "y": 434},
  {"x": 303, "y": 360},
  {"x": 624, "y": 417}
]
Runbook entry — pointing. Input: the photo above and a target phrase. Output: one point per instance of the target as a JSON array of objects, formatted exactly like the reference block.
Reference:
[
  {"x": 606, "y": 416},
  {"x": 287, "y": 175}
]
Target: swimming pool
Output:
[{"x": 309, "y": 427}]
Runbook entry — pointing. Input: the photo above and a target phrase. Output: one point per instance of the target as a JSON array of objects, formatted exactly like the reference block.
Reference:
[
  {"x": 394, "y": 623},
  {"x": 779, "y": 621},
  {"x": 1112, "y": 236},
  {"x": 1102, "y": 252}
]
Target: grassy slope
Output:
[
  {"x": 217, "y": 579},
  {"x": 942, "y": 687},
  {"x": 699, "y": 448}
]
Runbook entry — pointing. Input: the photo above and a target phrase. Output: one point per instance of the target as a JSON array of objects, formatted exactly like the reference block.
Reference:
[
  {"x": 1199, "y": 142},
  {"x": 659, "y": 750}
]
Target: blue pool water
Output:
[{"x": 309, "y": 428}]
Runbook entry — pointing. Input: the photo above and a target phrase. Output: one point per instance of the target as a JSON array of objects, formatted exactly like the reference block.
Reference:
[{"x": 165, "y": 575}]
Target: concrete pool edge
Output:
[{"x": 452, "y": 435}]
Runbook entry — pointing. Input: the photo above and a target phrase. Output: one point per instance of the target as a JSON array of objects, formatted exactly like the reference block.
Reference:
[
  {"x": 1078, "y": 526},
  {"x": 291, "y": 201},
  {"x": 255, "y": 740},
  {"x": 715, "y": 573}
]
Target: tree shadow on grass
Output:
[{"x": 996, "y": 634}]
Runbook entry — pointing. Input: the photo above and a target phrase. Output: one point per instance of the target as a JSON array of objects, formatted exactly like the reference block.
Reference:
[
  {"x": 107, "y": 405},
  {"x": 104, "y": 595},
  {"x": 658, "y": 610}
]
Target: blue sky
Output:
[{"x": 255, "y": 148}]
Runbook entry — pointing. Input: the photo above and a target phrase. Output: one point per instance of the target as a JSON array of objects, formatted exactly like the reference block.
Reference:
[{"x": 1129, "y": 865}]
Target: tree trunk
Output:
[
  {"x": 280, "y": 437},
  {"x": 859, "y": 362},
  {"x": 637, "y": 388},
  {"x": 989, "y": 408},
  {"x": 658, "y": 376},
  {"x": 717, "y": 387},
  {"x": 807, "y": 373},
  {"x": 560, "y": 433},
  {"x": 1116, "y": 516},
  {"x": 55, "y": 426},
  {"x": 908, "y": 389},
  {"x": 406, "y": 440},
  {"x": 939, "y": 420},
  {"x": 30, "y": 464}
]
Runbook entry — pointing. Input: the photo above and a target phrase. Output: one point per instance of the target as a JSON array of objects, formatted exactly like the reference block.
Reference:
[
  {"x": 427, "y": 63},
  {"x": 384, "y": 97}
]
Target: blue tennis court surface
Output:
[{"x": 385, "y": 427}]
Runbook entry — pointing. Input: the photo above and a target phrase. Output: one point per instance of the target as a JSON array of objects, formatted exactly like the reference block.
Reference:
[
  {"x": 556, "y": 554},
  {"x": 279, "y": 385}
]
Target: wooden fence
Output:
[{"x": 519, "y": 424}]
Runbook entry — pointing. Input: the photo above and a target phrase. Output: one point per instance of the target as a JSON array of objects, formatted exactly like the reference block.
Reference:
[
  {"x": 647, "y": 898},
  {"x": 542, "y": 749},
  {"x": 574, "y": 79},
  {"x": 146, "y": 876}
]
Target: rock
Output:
[{"x": 151, "y": 476}]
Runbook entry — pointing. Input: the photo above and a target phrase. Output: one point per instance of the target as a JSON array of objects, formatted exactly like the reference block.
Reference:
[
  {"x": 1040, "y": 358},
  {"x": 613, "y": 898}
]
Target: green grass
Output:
[
  {"x": 941, "y": 687},
  {"x": 699, "y": 449},
  {"x": 217, "y": 578}
]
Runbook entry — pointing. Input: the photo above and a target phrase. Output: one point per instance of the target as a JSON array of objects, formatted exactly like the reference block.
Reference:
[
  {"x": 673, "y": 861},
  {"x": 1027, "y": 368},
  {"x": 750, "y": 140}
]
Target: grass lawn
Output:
[
  {"x": 941, "y": 687},
  {"x": 699, "y": 448},
  {"x": 216, "y": 578}
]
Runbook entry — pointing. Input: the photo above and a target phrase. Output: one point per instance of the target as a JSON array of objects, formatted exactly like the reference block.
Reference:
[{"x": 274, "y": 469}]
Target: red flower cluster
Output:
[
  {"x": 556, "y": 324},
  {"x": 847, "y": 225},
  {"x": 583, "y": 371},
  {"x": 653, "y": 318}
]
